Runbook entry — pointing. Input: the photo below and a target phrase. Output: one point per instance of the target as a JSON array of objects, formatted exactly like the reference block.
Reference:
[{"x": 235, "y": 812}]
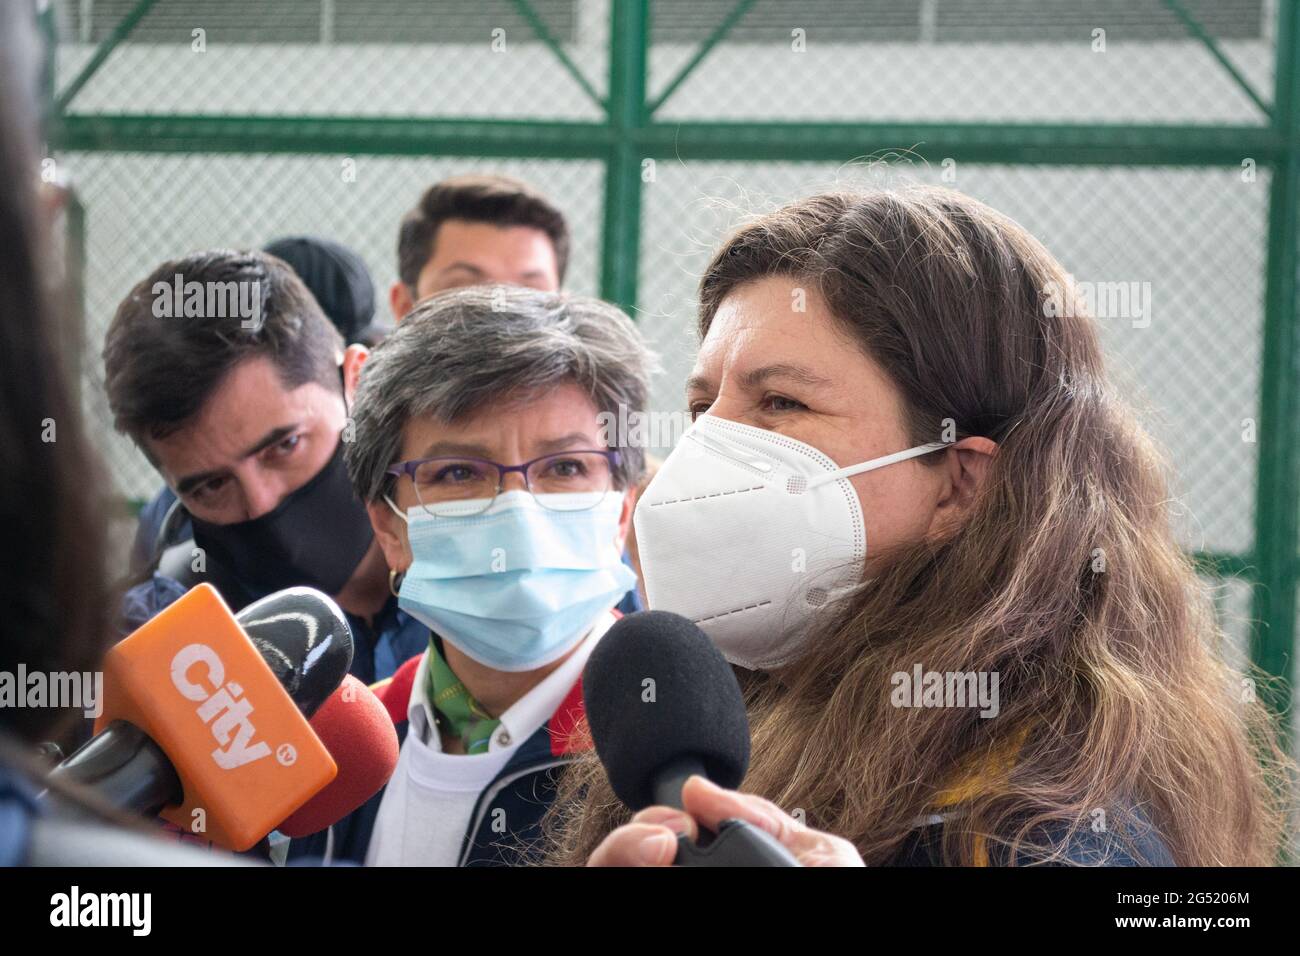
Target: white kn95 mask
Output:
[{"x": 750, "y": 534}]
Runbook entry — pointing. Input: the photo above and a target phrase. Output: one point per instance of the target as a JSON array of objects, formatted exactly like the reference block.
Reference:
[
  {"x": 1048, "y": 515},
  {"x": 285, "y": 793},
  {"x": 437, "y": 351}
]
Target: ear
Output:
[
  {"x": 390, "y": 532},
  {"x": 966, "y": 465},
  {"x": 625, "y": 518},
  {"x": 400, "y": 300},
  {"x": 353, "y": 358}
]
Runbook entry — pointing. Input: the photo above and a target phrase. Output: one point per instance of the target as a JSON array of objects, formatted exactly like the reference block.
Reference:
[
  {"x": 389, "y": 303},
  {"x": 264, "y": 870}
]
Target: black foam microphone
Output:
[
  {"x": 305, "y": 639},
  {"x": 663, "y": 704}
]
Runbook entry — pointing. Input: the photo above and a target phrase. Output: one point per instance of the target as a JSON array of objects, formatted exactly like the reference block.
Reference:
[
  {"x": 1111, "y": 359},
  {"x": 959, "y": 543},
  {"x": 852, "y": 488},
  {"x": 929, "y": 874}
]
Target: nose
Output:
[
  {"x": 262, "y": 495},
  {"x": 732, "y": 407},
  {"x": 513, "y": 481}
]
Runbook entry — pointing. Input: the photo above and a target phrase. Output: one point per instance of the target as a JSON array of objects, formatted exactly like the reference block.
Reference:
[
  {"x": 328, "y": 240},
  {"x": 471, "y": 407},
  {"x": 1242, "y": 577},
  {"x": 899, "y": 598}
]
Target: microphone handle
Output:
[
  {"x": 670, "y": 778},
  {"x": 736, "y": 843},
  {"x": 126, "y": 768}
]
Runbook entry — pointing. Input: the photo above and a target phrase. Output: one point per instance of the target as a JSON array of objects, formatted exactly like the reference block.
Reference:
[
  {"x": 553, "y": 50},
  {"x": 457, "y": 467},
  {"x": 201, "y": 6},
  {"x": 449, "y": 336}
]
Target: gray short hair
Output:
[{"x": 459, "y": 351}]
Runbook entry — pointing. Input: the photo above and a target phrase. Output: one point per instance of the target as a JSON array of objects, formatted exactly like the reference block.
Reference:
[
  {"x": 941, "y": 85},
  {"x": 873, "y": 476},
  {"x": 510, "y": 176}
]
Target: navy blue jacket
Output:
[
  {"x": 1139, "y": 845},
  {"x": 18, "y": 809}
]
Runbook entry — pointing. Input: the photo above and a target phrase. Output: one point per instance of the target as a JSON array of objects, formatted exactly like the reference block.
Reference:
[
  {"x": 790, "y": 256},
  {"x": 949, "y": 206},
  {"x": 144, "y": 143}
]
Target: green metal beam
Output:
[
  {"x": 48, "y": 28},
  {"x": 1051, "y": 144},
  {"x": 629, "y": 28},
  {"x": 377, "y": 136},
  {"x": 712, "y": 40},
  {"x": 539, "y": 28},
  {"x": 1199, "y": 32},
  {"x": 1277, "y": 492},
  {"x": 1058, "y": 144},
  {"x": 103, "y": 52}
]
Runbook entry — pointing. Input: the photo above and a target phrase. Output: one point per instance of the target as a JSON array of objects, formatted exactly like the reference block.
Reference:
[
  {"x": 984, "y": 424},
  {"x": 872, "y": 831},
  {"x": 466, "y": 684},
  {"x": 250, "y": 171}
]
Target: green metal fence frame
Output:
[{"x": 629, "y": 133}]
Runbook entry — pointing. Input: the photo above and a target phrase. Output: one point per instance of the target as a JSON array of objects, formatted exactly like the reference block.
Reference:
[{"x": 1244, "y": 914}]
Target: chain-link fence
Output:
[{"x": 1152, "y": 145}]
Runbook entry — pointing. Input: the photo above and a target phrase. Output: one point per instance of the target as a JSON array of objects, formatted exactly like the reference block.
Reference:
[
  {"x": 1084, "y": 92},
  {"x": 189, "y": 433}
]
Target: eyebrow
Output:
[
  {"x": 466, "y": 266},
  {"x": 697, "y": 383},
  {"x": 442, "y": 449},
  {"x": 756, "y": 377},
  {"x": 187, "y": 484},
  {"x": 566, "y": 442},
  {"x": 481, "y": 274},
  {"x": 795, "y": 373}
]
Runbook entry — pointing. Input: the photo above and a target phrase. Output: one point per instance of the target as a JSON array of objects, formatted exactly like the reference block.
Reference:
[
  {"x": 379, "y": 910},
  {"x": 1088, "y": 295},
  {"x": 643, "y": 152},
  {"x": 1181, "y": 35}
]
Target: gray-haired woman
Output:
[{"x": 478, "y": 448}]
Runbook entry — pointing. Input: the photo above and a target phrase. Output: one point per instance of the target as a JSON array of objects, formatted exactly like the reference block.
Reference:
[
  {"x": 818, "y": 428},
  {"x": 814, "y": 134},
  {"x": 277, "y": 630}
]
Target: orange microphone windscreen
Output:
[
  {"x": 192, "y": 680},
  {"x": 358, "y": 732}
]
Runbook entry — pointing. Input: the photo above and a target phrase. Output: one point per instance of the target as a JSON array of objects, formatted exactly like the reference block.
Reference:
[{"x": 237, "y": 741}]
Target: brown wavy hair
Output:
[{"x": 1065, "y": 580}]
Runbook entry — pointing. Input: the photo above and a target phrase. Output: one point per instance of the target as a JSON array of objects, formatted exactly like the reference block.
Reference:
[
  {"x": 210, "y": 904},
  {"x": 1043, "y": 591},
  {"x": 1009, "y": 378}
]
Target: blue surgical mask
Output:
[{"x": 518, "y": 586}]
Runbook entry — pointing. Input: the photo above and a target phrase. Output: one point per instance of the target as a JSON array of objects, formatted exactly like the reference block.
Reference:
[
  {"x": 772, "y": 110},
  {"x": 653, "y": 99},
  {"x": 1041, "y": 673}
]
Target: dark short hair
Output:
[
  {"x": 460, "y": 351},
  {"x": 496, "y": 200},
  {"x": 337, "y": 278},
  {"x": 159, "y": 370}
]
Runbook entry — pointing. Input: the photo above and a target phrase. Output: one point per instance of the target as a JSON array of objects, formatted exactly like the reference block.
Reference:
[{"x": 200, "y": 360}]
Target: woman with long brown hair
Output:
[{"x": 1022, "y": 539}]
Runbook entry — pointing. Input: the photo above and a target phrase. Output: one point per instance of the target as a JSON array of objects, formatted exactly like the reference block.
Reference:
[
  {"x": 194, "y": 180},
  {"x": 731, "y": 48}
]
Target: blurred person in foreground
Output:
[{"x": 54, "y": 596}]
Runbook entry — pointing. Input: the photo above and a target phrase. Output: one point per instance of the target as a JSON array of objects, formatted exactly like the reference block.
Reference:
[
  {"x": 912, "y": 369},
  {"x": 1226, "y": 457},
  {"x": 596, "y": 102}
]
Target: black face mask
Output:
[{"x": 315, "y": 537}]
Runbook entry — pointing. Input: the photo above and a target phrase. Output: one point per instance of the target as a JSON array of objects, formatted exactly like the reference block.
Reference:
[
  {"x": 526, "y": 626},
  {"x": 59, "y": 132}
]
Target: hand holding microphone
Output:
[
  {"x": 669, "y": 724},
  {"x": 665, "y": 710},
  {"x": 652, "y": 838}
]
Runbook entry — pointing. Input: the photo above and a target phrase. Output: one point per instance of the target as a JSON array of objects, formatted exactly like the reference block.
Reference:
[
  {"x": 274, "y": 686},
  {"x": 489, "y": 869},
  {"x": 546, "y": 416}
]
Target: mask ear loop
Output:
[
  {"x": 396, "y": 510},
  {"x": 395, "y": 577},
  {"x": 872, "y": 465}
]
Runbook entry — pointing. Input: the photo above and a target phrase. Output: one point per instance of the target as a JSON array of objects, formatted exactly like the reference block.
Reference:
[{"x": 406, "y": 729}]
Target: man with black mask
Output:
[
  {"x": 225, "y": 372},
  {"x": 339, "y": 281}
]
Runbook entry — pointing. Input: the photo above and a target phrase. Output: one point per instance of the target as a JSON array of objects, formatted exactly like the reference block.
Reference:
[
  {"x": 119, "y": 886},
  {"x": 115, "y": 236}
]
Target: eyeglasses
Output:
[{"x": 565, "y": 481}]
